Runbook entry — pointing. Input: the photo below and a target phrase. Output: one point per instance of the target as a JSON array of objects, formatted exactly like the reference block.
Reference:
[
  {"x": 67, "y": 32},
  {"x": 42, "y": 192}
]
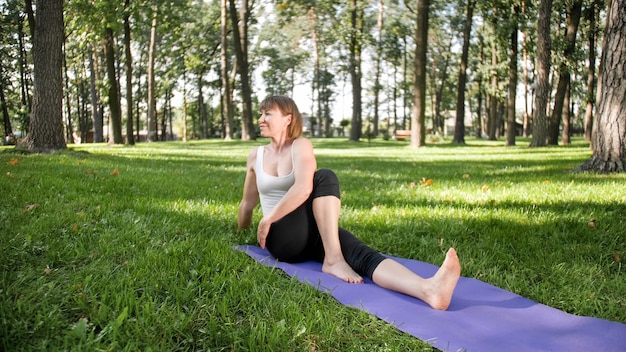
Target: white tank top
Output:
[{"x": 271, "y": 188}]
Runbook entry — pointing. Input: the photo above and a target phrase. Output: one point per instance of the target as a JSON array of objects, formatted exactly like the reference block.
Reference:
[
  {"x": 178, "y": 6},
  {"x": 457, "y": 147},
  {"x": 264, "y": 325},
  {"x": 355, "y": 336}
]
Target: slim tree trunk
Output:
[
  {"x": 130, "y": 138},
  {"x": 96, "y": 112},
  {"x": 459, "y": 126},
  {"x": 152, "y": 107},
  {"x": 115, "y": 125},
  {"x": 609, "y": 143},
  {"x": 227, "y": 100},
  {"x": 591, "y": 74},
  {"x": 511, "y": 128},
  {"x": 377, "y": 70},
  {"x": 240, "y": 34},
  {"x": 544, "y": 54},
  {"x": 46, "y": 122},
  {"x": 418, "y": 118},
  {"x": 356, "y": 24},
  {"x": 572, "y": 21}
]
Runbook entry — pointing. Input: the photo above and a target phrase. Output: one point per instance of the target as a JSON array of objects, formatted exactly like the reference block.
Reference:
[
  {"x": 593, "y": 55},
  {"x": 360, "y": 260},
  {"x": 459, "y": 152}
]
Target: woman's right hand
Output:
[{"x": 262, "y": 231}]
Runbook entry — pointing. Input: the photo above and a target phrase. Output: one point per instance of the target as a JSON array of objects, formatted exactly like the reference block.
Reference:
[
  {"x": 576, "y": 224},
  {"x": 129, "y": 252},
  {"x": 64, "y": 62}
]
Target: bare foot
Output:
[
  {"x": 442, "y": 285},
  {"x": 342, "y": 270}
]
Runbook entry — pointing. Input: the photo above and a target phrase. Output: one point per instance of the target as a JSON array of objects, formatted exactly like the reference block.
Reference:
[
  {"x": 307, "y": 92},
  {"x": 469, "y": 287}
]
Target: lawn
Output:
[{"x": 130, "y": 248}]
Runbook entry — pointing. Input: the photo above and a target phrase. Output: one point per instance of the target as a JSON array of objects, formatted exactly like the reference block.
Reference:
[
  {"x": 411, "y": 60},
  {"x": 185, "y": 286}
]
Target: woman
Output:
[{"x": 301, "y": 213}]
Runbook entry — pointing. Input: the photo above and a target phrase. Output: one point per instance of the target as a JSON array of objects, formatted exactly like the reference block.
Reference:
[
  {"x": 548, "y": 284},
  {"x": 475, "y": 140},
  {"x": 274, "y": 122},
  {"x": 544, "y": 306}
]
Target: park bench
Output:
[{"x": 401, "y": 135}]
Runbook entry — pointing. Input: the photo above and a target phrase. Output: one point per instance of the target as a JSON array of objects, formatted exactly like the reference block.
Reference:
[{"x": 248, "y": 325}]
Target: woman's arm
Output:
[{"x": 250, "y": 197}]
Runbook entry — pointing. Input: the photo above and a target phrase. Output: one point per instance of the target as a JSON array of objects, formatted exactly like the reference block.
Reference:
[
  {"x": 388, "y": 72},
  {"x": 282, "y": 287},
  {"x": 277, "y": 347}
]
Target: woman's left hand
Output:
[{"x": 263, "y": 231}]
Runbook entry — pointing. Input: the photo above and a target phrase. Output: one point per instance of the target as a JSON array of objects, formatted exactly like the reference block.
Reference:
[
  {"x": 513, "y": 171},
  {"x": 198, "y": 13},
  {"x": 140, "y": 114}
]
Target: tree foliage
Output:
[{"x": 170, "y": 74}]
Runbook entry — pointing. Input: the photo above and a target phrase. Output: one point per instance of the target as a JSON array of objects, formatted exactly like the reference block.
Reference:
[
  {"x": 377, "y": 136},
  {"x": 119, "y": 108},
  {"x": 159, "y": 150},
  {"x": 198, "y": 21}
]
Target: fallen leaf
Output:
[
  {"x": 30, "y": 207},
  {"x": 485, "y": 188},
  {"x": 592, "y": 224},
  {"x": 115, "y": 172},
  {"x": 9, "y": 174},
  {"x": 617, "y": 257},
  {"x": 426, "y": 182},
  {"x": 75, "y": 228},
  {"x": 412, "y": 185},
  {"x": 545, "y": 182},
  {"x": 14, "y": 161},
  {"x": 47, "y": 270}
]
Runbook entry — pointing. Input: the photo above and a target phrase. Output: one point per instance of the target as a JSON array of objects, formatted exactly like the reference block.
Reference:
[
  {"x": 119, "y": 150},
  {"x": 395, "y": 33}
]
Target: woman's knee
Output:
[{"x": 325, "y": 183}]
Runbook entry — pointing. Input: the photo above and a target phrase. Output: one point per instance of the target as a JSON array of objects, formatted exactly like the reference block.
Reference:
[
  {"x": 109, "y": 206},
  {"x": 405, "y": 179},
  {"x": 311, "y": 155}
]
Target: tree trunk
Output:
[
  {"x": 572, "y": 21},
  {"x": 378, "y": 69},
  {"x": 511, "y": 127},
  {"x": 46, "y": 123},
  {"x": 227, "y": 100},
  {"x": 8, "y": 130},
  {"x": 96, "y": 112},
  {"x": 544, "y": 47},
  {"x": 240, "y": 34},
  {"x": 130, "y": 137},
  {"x": 459, "y": 126},
  {"x": 566, "y": 115},
  {"x": 356, "y": 32},
  {"x": 115, "y": 125},
  {"x": 609, "y": 144},
  {"x": 152, "y": 114},
  {"x": 493, "y": 117},
  {"x": 591, "y": 74},
  {"x": 418, "y": 118}
]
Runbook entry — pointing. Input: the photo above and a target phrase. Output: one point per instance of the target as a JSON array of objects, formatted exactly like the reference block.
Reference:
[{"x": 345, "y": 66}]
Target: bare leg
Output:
[
  {"x": 435, "y": 291},
  {"x": 326, "y": 211}
]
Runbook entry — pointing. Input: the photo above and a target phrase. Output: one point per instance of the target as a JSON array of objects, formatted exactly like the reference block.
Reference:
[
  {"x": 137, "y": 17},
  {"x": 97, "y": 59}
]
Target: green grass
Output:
[{"x": 130, "y": 248}]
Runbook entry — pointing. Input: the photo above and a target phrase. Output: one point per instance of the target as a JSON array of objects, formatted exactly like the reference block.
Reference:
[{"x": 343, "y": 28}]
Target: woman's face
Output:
[{"x": 273, "y": 123}]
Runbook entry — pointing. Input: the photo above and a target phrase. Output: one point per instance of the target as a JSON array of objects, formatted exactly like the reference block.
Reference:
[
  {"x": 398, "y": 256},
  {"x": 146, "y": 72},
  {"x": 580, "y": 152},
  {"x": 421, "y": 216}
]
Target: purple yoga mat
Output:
[{"x": 481, "y": 317}]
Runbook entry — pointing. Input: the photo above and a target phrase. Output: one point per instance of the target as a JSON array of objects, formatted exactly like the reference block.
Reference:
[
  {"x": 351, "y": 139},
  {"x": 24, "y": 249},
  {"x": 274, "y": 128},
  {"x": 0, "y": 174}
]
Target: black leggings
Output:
[{"x": 296, "y": 238}]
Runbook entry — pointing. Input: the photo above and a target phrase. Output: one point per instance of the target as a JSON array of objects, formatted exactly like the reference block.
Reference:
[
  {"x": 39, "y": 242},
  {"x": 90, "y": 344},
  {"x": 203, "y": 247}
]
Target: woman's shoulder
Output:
[
  {"x": 302, "y": 142},
  {"x": 252, "y": 155}
]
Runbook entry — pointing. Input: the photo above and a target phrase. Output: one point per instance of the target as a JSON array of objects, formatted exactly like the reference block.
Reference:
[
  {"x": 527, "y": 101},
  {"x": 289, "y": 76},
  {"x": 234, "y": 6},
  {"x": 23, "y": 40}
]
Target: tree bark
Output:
[
  {"x": 609, "y": 143},
  {"x": 46, "y": 123},
  {"x": 418, "y": 118},
  {"x": 459, "y": 126},
  {"x": 544, "y": 55}
]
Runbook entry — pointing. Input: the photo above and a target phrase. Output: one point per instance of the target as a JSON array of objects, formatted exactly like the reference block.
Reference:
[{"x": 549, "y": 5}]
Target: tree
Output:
[
  {"x": 609, "y": 137},
  {"x": 227, "y": 99},
  {"x": 418, "y": 117},
  {"x": 544, "y": 55},
  {"x": 129, "y": 75},
  {"x": 511, "y": 127},
  {"x": 240, "y": 34},
  {"x": 459, "y": 127},
  {"x": 355, "y": 45},
  {"x": 574, "y": 10},
  {"x": 46, "y": 122}
]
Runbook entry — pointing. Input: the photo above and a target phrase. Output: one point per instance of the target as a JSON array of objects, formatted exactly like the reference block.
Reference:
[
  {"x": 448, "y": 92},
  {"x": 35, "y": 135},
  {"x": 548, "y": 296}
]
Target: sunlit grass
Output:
[{"x": 130, "y": 248}]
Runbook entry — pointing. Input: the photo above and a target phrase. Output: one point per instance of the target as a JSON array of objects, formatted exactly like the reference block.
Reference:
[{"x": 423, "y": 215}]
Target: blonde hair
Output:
[{"x": 287, "y": 106}]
